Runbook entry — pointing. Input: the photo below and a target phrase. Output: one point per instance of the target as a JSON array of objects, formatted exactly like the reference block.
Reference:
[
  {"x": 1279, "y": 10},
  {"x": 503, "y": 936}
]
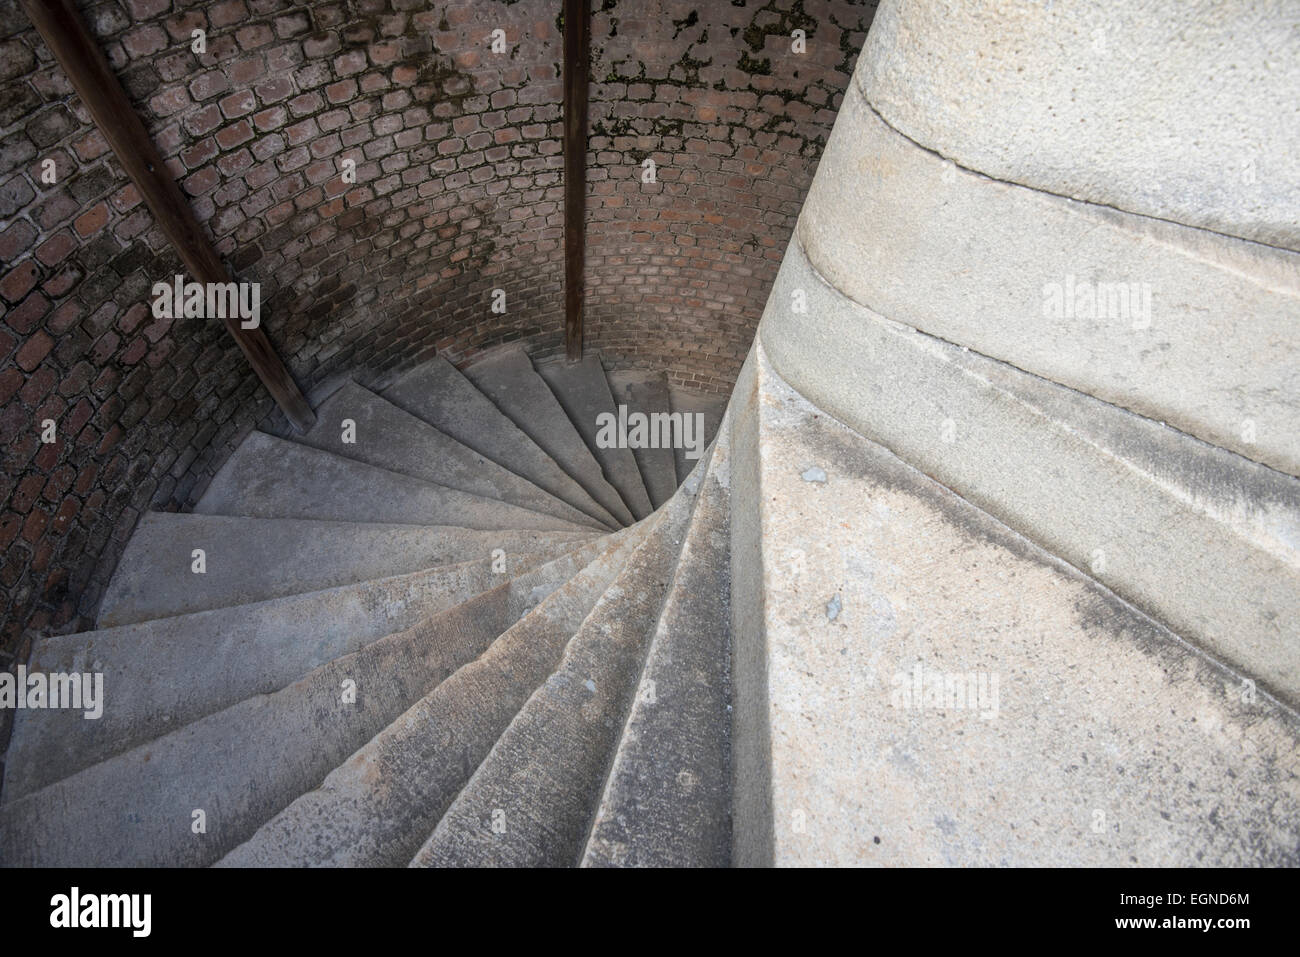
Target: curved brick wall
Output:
[{"x": 458, "y": 192}]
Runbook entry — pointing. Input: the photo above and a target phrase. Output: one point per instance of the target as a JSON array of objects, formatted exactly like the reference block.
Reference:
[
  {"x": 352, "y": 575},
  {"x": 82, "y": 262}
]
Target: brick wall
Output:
[{"x": 458, "y": 192}]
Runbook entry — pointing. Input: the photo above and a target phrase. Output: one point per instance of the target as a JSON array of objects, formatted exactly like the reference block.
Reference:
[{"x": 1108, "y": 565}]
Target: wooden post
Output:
[
  {"x": 576, "y": 59},
  {"x": 93, "y": 79}
]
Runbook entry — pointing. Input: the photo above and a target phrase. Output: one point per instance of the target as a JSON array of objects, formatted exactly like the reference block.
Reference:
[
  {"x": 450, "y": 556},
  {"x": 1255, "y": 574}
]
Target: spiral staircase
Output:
[
  {"x": 445, "y": 627},
  {"x": 962, "y": 578}
]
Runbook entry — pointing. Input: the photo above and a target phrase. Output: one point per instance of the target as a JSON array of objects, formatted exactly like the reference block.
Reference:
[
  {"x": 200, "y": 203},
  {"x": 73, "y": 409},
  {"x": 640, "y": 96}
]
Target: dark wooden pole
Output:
[
  {"x": 93, "y": 79},
  {"x": 576, "y": 59}
]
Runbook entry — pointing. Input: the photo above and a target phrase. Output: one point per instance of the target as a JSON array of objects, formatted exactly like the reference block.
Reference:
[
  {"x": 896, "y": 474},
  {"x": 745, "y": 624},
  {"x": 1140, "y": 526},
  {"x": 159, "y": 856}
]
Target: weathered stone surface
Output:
[
  {"x": 272, "y": 478},
  {"x": 443, "y": 397},
  {"x": 253, "y": 559},
  {"x": 1211, "y": 347},
  {"x": 584, "y": 394},
  {"x": 198, "y": 664},
  {"x": 647, "y": 393},
  {"x": 1110, "y": 741},
  {"x": 1203, "y": 540},
  {"x": 667, "y": 800},
  {"x": 542, "y": 780},
  {"x": 380, "y": 805},
  {"x": 389, "y": 438},
  {"x": 509, "y": 380},
  {"x": 1091, "y": 101},
  {"x": 247, "y": 762},
  {"x": 690, "y": 402}
]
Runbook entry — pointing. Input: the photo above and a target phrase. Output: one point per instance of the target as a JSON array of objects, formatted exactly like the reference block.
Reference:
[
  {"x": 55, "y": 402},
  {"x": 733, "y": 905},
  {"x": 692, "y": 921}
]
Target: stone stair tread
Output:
[
  {"x": 710, "y": 406},
  {"x": 440, "y": 395},
  {"x": 376, "y": 808},
  {"x": 584, "y": 394},
  {"x": 244, "y": 764},
  {"x": 269, "y": 477},
  {"x": 543, "y": 778},
  {"x": 388, "y": 437},
  {"x": 203, "y": 662},
  {"x": 254, "y": 559},
  {"x": 942, "y": 647},
  {"x": 508, "y": 379},
  {"x": 667, "y": 801},
  {"x": 647, "y": 393}
]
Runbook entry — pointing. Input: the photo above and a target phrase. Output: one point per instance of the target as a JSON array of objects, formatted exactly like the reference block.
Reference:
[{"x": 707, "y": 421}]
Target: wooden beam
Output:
[
  {"x": 93, "y": 79},
  {"x": 577, "y": 57}
]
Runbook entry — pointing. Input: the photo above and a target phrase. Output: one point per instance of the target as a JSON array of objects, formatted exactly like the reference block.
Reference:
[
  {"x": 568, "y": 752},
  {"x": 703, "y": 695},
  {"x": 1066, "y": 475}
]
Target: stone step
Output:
[
  {"x": 583, "y": 393},
  {"x": 378, "y": 807},
  {"x": 269, "y": 477},
  {"x": 203, "y": 662},
  {"x": 667, "y": 801},
  {"x": 509, "y": 380},
  {"x": 440, "y": 395},
  {"x": 710, "y": 406},
  {"x": 255, "y": 559},
  {"x": 248, "y": 762},
  {"x": 1200, "y": 538},
  {"x": 531, "y": 801},
  {"x": 647, "y": 393},
  {"x": 387, "y": 437},
  {"x": 873, "y": 611}
]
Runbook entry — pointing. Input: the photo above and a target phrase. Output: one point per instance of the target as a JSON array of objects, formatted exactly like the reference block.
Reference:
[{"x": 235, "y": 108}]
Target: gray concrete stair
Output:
[
  {"x": 269, "y": 477},
  {"x": 379, "y": 806},
  {"x": 531, "y": 801},
  {"x": 509, "y": 380},
  {"x": 647, "y": 393},
  {"x": 247, "y": 762},
  {"x": 440, "y": 395},
  {"x": 387, "y": 437},
  {"x": 667, "y": 801},
  {"x": 583, "y": 393},
  {"x": 205, "y": 661},
  {"x": 255, "y": 559},
  {"x": 710, "y": 406},
  {"x": 1005, "y": 708},
  {"x": 374, "y": 626}
]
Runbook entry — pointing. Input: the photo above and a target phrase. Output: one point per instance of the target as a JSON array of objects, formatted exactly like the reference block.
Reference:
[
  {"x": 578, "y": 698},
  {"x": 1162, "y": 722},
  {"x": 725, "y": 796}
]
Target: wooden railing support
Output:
[
  {"x": 93, "y": 79},
  {"x": 577, "y": 58}
]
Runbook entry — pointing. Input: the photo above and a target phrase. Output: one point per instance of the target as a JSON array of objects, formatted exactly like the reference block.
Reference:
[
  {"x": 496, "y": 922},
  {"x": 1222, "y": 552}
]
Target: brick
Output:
[
  {"x": 203, "y": 121},
  {"x": 274, "y": 89},
  {"x": 203, "y": 181},
  {"x": 33, "y": 351},
  {"x": 321, "y": 44},
  {"x": 200, "y": 153},
  {"x": 255, "y": 36},
  {"x": 17, "y": 238},
  {"x": 93, "y": 220},
  {"x": 147, "y": 9},
  {"x": 144, "y": 40},
  {"x": 238, "y": 104},
  {"x": 134, "y": 352},
  {"x": 350, "y": 63},
  {"x": 19, "y": 281},
  {"x": 170, "y": 101},
  {"x": 209, "y": 84},
  {"x": 228, "y": 13},
  {"x": 235, "y": 134},
  {"x": 244, "y": 72},
  {"x": 182, "y": 26},
  {"x": 127, "y": 198},
  {"x": 63, "y": 318}
]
